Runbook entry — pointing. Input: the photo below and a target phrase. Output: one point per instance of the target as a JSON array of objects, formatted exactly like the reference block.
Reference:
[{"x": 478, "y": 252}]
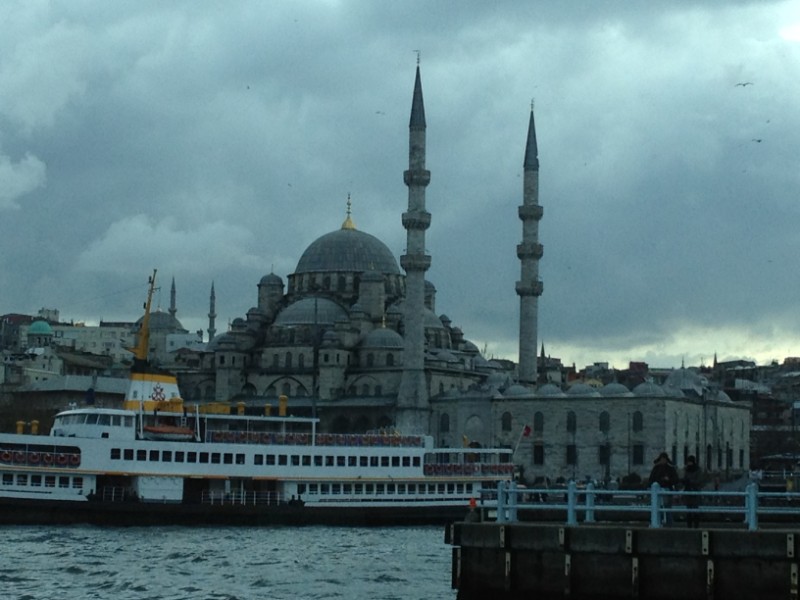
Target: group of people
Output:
[{"x": 666, "y": 475}]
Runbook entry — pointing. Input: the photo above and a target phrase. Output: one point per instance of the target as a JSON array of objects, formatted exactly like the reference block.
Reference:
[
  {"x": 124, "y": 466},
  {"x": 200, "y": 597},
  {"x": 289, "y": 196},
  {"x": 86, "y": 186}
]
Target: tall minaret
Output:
[
  {"x": 212, "y": 314},
  {"x": 172, "y": 307},
  {"x": 529, "y": 287},
  {"x": 412, "y": 399}
]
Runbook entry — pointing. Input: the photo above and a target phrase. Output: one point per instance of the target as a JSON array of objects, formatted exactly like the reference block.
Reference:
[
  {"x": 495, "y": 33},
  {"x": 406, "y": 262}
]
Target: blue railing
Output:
[{"x": 655, "y": 504}]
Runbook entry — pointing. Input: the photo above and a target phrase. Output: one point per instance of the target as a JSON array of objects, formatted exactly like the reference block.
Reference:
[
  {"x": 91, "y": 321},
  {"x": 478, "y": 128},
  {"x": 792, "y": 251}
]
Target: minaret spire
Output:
[
  {"x": 412, "y": 400},
  {"x": 172, "y": 307},
  {"x": 529, "y": 287},
  {"x": 212, "y": 314}
]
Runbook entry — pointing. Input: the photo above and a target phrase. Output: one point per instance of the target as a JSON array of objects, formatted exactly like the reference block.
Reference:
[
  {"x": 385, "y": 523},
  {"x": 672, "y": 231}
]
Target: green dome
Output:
[{"x": 40, "y": 328}]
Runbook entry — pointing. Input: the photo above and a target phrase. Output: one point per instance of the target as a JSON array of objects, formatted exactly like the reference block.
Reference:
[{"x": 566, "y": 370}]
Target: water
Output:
[{"x": 224, "y": 563}]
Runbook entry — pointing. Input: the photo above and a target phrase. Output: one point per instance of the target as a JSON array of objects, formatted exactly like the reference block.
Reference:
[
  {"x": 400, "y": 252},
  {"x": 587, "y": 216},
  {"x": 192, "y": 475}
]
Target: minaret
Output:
[
  {"x": 529, "y": 287},
  {"x": 212, "y": 314},
  {"x": 412, "y": 399},
  {"x": 172, "y": 308}
]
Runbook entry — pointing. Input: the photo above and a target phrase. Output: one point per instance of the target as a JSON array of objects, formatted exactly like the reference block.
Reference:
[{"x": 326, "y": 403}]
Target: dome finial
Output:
[{"x": 348, "y": 222}]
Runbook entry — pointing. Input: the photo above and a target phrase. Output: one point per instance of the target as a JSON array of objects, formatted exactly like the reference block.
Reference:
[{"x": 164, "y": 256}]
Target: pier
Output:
[{"x": 573, "y": 545}]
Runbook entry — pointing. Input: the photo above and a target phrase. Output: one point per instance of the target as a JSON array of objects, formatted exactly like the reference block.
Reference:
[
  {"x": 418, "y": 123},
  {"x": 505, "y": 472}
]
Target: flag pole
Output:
[{"x": 526, "y": 431}]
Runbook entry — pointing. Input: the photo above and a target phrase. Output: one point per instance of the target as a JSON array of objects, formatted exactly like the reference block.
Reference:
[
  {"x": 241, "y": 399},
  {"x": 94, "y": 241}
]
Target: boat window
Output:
[
  {"x": 317, "y": 461},
  {"x": 203, "y": 457},
  {"x": 270, "y": 459},
  {"x": 282, "y": 460},
  {"x": 415, "y": 461},
  {"x": 115, "y": 454},
  {"x": 116, "y": 420},
  {"x": 227, "y": 458},
  {"x": 128, "y": 454},
  {"x": 141, "y": 455},
  {"x": 77, "y": 482},
  {"x": 328, "y": 461},
  {"x": 460, "y": 488},
  {"x": 104, "y": 419},
  {"x": 379, "y": 488},
  {"x": 179, "y": 457},
  {"x": 352, "y": 461},
  {"x": 390, "y": 488},
  {"x": 36, "y": 480},
  {"x": 301, "y": 488},
  {"x": 363, "y": 461},
  {"x": 395, "y": 461},
  {"x": 306, "y": 460},
  {"x": 166, "y": 456},
  {"x": 240, "y": 459},
  {"x": 215, "y": 458},
  {"x": 191, "y": 457},
  {"x": 154, "y": 455},
  {"x": 373, "y": 461},
  {"x": 451, "y": 488},
  {"x": 347, "y": 488},
  {"x": 441, "y": 488},
  {"x": 336, "y": 489},
  {"x": 128, "y": 421},
  {"x": 50, "y": 481},
  {"x": 258, "y": 459},
  {"x": 8, "y": 479},
  {"x": 431, "y": 488},
  {"x": 340, "y": 461},
  {"x": 312, "y": 488},
  {"x": 91, "y": 419},
  {"x": 295, "y": 460},
  {"x": 401, "y": 488},
  {"x": 406, "y": 461},
  {"x": 384, "y": 461},
  {"x": 63, "y": 482},
  {"x": 359, "y": 488},
  {"x": 369, "y": 489},
  {"x": 412, "y": 488}
]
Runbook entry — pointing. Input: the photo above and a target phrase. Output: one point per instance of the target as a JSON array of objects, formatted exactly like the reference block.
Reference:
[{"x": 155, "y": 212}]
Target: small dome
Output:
[
  {"x": 40, "y": 328},
  {"x": 272, "y": 280},
  {"x": 550, "y": 390},
  {"x": 517, "y": 390},
  {"x": 383, "y": 338},
  {"x": 224, "y": 341},
  {"x": 582, "y": 389},
  {"x": 330, "y": 339},
  {"x": 648, "y": 388},
  {"x": 615, "y": 389},
  {"x": 311, "y": 311}
]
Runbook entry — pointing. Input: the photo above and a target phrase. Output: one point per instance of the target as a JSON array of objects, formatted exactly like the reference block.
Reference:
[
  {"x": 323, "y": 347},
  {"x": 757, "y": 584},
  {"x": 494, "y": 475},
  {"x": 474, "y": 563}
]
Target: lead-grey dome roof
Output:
[
  {"x": 383, "y": 338},
  {"x": 310, "y": 311},
  {"x": 347, "y": 250}
]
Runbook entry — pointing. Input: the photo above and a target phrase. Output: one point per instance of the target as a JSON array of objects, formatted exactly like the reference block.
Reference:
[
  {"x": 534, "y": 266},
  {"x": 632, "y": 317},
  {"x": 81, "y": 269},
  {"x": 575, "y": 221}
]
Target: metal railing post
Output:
[
  {"x": 751, "y": 506},
  {"x": 501, "y": 501},
  {"x": 513, "y": 500},
  {"x": 655, "y": 504},
  {"x": 572, "y": 499},
  {"x": 589, "y": 517}
]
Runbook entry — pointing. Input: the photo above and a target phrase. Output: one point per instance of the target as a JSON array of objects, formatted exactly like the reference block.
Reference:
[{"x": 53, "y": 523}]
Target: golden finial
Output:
[{"x": 348, "y": 222}]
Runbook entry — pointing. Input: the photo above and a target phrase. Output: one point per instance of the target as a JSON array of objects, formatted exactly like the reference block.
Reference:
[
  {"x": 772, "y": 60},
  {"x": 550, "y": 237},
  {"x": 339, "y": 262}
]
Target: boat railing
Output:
[
  {"x": 111, "y": 493},
  {"x": 305, "y": 439},
  {"x": 469, "y": 468},
  {"x": 658, "y": 506},
  {"x": 242, "y": 498}
]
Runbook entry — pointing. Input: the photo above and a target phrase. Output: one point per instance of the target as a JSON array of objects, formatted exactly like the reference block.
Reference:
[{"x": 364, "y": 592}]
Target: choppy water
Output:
[{"x": 172, "y": 563}]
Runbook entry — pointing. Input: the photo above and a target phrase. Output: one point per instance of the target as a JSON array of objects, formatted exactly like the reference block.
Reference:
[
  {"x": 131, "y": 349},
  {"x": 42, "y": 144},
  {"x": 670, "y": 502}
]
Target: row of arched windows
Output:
[{"x": 604, "y": 422}]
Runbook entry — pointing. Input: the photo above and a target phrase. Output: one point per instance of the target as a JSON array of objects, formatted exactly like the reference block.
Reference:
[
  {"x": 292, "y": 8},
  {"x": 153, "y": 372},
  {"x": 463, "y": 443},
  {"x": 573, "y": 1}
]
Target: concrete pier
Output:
[{"x": 506, "y": 561}]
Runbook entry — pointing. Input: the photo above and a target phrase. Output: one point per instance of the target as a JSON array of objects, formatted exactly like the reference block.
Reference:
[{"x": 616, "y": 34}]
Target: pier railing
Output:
[{"x": 656, "y": 505}]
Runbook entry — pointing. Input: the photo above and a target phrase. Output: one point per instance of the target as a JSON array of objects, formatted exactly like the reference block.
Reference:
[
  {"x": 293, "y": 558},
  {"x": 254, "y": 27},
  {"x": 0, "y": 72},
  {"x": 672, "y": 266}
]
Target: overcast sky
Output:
[{"x": 216, "y": 140}]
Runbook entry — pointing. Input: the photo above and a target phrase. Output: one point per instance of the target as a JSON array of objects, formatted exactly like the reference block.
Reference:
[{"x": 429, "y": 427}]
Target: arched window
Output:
[
  {"x": 288, "y": 364},
  {"x": 605, "y": 421},
  {"x": 378, "y": 390},
  {"x": 572, "y": 422},
  {"x": 538, "y": 422},
  {"x": 506, "y": 421},
  {"x": 365, "y": 389},
  {"x": 286, "y": 389},
  {"x": 638, "y": 421},
  {"x": 444, "y": 423},
  {"x": 370, "y": 360},
  {"x": 301, "y": 360},
  {"x": 390, "y": 360},
  {"x": 275, "y": 360}
]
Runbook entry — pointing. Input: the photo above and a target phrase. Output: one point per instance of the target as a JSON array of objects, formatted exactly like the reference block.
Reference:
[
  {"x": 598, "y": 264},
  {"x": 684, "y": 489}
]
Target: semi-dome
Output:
[
  {"x": 383, "y": 338},
  {"x": 311, "y": 311},
  {"x": 347, "y": 250}
]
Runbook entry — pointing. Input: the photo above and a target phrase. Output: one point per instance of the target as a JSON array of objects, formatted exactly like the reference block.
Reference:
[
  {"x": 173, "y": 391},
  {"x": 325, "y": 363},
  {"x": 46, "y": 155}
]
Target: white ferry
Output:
[{"x": 157, "y": 460}]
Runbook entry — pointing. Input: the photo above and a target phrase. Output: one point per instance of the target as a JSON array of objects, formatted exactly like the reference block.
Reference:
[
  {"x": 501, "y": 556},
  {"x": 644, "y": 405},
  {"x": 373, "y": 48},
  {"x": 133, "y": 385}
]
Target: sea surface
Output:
[{"x": 224, "y": 563}]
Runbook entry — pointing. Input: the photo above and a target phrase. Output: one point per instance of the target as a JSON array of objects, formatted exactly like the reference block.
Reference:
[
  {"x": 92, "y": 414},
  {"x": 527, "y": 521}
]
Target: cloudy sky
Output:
[{"x": 216, "y": 140}]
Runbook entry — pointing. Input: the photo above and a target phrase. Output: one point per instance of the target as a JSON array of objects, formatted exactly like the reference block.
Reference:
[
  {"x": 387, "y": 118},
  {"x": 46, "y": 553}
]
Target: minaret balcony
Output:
[
  {"x": 529, "y": 212},
  {"x": 415, "y": 262},
  {"x": 417, "y": 219},
  {"x": 530, "y": 289},
  {"x": 418, "y": 177},
  {"x": 527, "y": 250}
]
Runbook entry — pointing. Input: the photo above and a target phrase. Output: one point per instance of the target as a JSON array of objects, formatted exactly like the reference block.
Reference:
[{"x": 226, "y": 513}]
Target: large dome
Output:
[{"x": 347, "y": 250}]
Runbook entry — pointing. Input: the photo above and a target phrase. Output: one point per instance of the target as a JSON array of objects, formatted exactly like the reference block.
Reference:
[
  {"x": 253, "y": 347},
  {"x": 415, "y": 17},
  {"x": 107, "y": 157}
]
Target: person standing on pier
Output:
[
  {"x": 692, "y": 482},
  {"x": 665, "y": 475}
]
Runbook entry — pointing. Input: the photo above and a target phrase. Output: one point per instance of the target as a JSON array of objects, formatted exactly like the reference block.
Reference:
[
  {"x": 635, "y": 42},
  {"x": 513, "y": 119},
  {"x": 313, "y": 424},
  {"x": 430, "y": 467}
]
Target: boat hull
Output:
[{"x": 126, "y": 514}]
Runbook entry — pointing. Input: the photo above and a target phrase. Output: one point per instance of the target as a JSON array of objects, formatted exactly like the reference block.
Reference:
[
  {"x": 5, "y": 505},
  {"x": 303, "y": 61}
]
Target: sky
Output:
[{"x": 215, "y": 141}]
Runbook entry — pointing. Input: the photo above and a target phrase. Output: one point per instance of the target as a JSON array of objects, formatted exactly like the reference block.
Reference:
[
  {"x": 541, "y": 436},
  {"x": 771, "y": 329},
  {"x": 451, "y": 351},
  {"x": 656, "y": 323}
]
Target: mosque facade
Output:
[{"x": 354, "y": 338}]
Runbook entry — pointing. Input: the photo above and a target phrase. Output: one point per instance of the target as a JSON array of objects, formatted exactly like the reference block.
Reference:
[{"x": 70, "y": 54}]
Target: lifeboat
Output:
[{"x": 169, "y": 433}]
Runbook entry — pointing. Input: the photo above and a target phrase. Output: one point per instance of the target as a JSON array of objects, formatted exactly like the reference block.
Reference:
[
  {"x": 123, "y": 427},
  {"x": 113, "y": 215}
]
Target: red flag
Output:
[{"x": 526, "y": 431}]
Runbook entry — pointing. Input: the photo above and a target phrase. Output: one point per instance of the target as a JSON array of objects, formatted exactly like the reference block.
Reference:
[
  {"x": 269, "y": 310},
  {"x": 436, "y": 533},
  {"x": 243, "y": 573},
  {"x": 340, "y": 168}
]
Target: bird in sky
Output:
[{"x": 743, "y": 83}]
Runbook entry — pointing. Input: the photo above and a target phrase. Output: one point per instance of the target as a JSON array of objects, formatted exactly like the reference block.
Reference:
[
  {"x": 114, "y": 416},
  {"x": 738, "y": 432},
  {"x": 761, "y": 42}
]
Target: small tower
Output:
[
  {"x": 212, "y": 314},
  {"x": 412, "y": 399},
  {"x": 529, "y": 287}
]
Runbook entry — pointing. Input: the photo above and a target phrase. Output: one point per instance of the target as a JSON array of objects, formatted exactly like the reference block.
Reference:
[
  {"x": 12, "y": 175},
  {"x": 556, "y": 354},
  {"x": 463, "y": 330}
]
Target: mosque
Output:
[{"x": 354, "y": 338}]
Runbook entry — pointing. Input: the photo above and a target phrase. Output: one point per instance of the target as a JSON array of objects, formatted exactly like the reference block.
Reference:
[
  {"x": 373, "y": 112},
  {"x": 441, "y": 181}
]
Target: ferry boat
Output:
[{"x": 158, "y": 460}]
